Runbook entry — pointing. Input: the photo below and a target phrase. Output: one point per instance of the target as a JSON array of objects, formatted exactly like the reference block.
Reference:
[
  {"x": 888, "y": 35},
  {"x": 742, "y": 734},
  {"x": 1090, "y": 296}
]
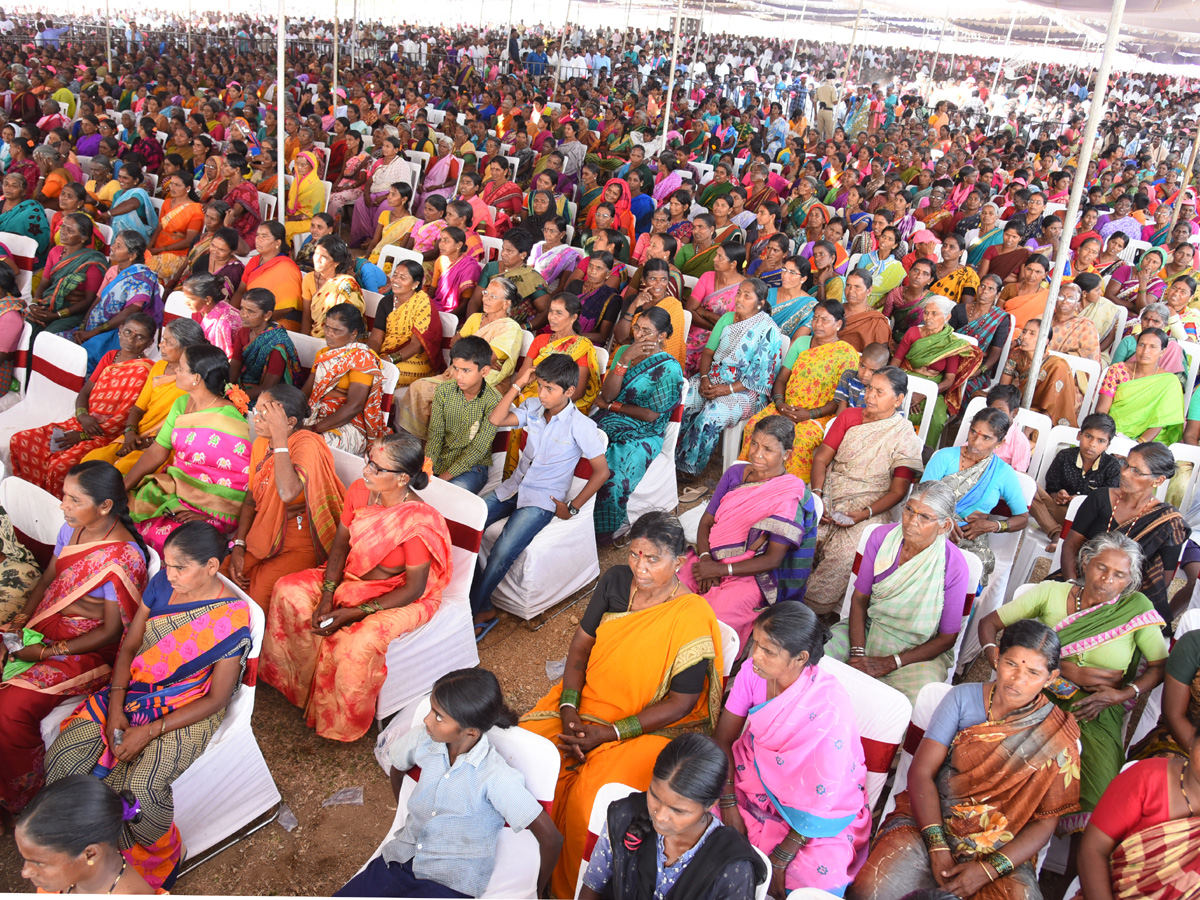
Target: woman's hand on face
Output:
[{"x": 273, "y": 414}]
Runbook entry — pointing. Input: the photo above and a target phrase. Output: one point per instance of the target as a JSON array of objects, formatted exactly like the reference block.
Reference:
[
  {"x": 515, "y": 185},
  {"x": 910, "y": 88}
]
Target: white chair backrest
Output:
[
  {"x": 731, "y": 646},
  {"x": 928, "y": 700},
  {"x": 493, "y": 246},
  {"x": 526, "y": 343},
  {"x": 605, "y": 797},
  {"x": 59, "y": 369},
  {"x": 348, "y": 466},
  {"x": 106, "y": 232},
  {"x": 393, "y": 253},
  {"x": 1192, "y": 350},
  {"x": 307, "y": 348},
  {"x": 1026, "y": 418},
  {"x": 602, "y": 360},
  {"x": 267, "y": 204},
  {"x": 240, "y": 708},
  {"x": 371, "y": 303},
  {"x": 176, "y": 307},
  {"x": 1060, "y": 436},
  {"x": 465, "y": 513},
  {"x": 1005, "y": 350},
  {"x": 1132, "y": 250},
  {"x": 922, "y": 387},
  {"x": 1091, "y": 369},
  {"x": 34, "y": 513}
]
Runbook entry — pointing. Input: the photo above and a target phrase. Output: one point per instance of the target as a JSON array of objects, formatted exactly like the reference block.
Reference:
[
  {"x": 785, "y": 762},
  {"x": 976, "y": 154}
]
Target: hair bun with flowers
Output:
[
  {"x": 239, "y": 398},
  {"x": 427, "y": 467}
]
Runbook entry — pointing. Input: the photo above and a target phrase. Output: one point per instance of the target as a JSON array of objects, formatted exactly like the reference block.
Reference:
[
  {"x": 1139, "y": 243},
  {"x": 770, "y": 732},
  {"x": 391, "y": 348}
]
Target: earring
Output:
[{"x": 91, "y": 862}]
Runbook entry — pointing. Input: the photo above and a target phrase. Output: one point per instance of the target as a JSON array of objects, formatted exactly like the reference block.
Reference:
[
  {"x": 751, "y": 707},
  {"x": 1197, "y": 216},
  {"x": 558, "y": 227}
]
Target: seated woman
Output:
[
  {"x": 408, "y": 330},
  {"x": 1134, "y": 510},
  {"x": 883, "y": 265},
  {"x": 263, "y": 353},
  {"x": 214, "y": 217},
  {"x": 1141, "y": 841},
  {"x": 131, "y": 207},
  {"x": 977, "y": 316},
  {"x": 21, "y": 215},
  {"x": 711, "y": 859},
  {"x": 330, "y": 283},
  {"x": 274, "y": 270},
  {"x": 653, "y": 290},
  {"x": 242, "y": 197},
  {"x": 219, "y": 259},
  {"x": 933, "y": 350},
  {"x": 1134, "y": 286},
  {"x": 804, "y": 388},
  {"x": 785, "y": 721},
  {"x": 562, "y": 336},
  {"x": 768, "y": 265},
  {"x": 395, "y": 221},
  {"x": 513, "y": 264},
  {"x": 862, "y": 470},
  {"x": 159, "y": 393},
  {"x": 1155, "y": 315},
  {"x": 904, "y": 304},
  {"x": 600, "y": 303},
  {"x": 644, "y": 663},
  {"x": 181, "y": 219},
  {"x": 205, "y": 446},
  {"x": 496, "y": 327},
  {"x": 909, "y": 597},
  {"x": 791, "y": 305},
  {"x": 167, "y": 707},
  {"x": 70, "y": 839},
  {"x": 306, "y": 196},
  {"x": 45, "y": 454},
  {"x": 1057, "y": 393},
  {"x": 70, "y": 281},
  {"x": 713, "y": 296},
  {"x": 980, "y": 480},
  {"x": 738, "y": 364},
  {"x": 1145, "y": 401},
  {"x": 455, "y": 272},
  {"x": 19, "y": 572},
  {"x": 1024, "y": 298},
  {"x": 128, "y": 287},
  {"x": 479, "y": 800},
  {"x": 761, "y": 520},
  {"x": 345, "y": 386},
  {"x": 289, "y": 516},
  {"x": 1105, "y": 624},
  {"x": 551, "y": 257},
  {"x": 80, "y": 606},
  {"x": 636, "y": 400},
  {"x": 387, "y": 568},
  {"x": 220, "y": 322},
  {"x": 995, "y": 771}
]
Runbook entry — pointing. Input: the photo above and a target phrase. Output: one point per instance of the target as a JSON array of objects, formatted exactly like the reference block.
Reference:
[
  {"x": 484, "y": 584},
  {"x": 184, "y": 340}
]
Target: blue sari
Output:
[
  {"x": 136, "y": 284},
  {"x": 991, "y": 239},
  {"x": 654, "y": 384},
  {"x": 791, "y": 315},
  {"x": 143, "y": 220}
]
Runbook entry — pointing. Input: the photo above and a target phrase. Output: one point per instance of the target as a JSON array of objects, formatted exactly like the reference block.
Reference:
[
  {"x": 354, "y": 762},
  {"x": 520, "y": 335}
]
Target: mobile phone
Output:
[{"x": 325, "y": 623}]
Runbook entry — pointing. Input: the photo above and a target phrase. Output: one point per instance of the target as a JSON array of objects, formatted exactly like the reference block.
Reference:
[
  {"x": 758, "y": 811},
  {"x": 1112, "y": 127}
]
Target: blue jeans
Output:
[
  {"x": 519, "y": 531},
  {"x": 385, "y": 879},
  {"x": 472, "y": 480}
]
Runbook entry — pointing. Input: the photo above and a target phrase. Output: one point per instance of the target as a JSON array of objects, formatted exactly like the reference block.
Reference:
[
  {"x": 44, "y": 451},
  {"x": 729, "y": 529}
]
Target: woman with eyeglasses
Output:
[{"x": 328, "y": 627}]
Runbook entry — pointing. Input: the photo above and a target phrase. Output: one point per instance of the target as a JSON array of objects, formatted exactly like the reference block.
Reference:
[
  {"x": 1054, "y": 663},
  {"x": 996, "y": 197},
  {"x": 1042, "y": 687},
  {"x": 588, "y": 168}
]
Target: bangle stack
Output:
[
  {"x": 81, "y": 411},
  {"x": 727, "y": 801},
  {"x": 328, "y": 587},
  {"x": 858, "y": 651},
  {"x": 1137, "y": 691},
  {"x": 628, "y": 728},
  {"x": 570, "y": 697},
  {"x": 1001, "y": 863},
  {"x": 371, "y": 607},
  {"x": 783, "y": 856},
  {"x": 934, "y": 837}
]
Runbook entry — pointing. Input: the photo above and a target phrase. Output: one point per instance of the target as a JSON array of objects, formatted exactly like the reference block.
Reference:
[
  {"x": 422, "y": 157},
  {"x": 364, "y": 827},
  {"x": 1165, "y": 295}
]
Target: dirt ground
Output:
[{"x": 331, "y": 843}]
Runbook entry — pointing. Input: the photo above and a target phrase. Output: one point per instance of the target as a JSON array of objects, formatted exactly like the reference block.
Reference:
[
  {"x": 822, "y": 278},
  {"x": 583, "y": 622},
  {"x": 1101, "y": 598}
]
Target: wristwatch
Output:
[{"x": 571, "y": 509}]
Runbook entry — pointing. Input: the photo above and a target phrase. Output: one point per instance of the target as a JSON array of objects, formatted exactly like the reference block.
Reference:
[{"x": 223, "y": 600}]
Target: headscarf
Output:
[
  {"x": 534, "y": 222},
  {"x": 299, "y": 184},
  {"x": 253, "y": 148},
  {"x": 626, "y": 197}
]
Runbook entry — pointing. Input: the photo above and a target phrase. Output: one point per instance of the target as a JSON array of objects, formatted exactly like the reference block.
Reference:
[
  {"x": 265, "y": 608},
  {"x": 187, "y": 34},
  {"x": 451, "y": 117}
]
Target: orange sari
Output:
[
  {"x": 337, "y": 678},
  {"x": 631, "y": 666}
]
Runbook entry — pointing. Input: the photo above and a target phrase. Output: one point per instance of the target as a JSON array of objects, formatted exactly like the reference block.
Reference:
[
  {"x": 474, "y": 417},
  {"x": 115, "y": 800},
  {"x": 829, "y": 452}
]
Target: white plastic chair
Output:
[
  {"x": 928, "y": 700},
  {"x": 731, "y": 646},
  {"x": 882, "y": 714},
  {"x": 267, "y": 203},
  {"x": 24, "y": 252},
  {"x": 1132, "y": 250},
  {"x": 921, "y": 387},
  {"x": 206, "y": 817},
  {"x": 59, "y": 369},
  {"x": 605, "y": 797},
  {"x": 1091, "y": 369},
  {"x": 659, "y": 487},
  {"x": 518, "y": 855},
  {"x": 447, "y": 641},
  {"x": 349, "y": 467},
  {"x": 1152, "y": 712},
  {"x": 1026, "y": 418},
  {"x": 392, "y": 253},
  {"x": 371, "y": 301},
  {"x": 560, "y": 560},
  {"x": 106, "y": 232},
  {"x": 492, "y": 246},
  {"x": 176, "y": 307}
]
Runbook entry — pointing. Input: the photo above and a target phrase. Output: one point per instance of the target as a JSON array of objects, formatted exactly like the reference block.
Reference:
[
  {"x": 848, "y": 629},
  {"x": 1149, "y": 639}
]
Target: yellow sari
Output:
[
  {"x": 635, "y": 656},
  {"x": 306, "y": 197},
  {"x": 395, "y": 231},
  {"x": 416, "y": 317},
  {"x": 339, "y": 289},
  {"x": 158, "y": 396}
]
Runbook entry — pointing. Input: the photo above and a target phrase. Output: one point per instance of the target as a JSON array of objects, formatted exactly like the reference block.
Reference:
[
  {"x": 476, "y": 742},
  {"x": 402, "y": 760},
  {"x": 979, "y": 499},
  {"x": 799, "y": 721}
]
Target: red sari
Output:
[
  {"x": 28, "y": 698},
  {"x": 115, "y": 389},
  {"x": 337, "y": 678}
]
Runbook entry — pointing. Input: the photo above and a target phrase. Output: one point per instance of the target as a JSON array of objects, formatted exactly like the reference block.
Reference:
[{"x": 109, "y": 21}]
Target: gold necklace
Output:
[
  {"x": 1183, "y": 790},
  {"x": 991, "y": 697}
]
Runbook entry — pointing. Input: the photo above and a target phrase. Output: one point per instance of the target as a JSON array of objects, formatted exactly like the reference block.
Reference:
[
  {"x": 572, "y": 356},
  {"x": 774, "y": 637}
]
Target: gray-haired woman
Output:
[
  {"x": 129, "y": 286},
  {"x": 909, "y": 596},
  {"x": 158, "y": 396},
  {"x": 1105, "y": 625},
  {"x": 933, "y": 350}
]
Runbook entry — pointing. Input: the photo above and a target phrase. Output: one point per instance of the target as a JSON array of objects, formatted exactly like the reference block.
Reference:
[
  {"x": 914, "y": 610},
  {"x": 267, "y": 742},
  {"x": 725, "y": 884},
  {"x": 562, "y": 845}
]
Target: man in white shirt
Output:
[{"x": 750, "y": 74}]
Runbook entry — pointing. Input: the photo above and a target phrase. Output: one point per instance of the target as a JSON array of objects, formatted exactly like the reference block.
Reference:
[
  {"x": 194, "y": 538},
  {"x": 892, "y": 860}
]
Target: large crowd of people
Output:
[{"x": 510, "y": 262}]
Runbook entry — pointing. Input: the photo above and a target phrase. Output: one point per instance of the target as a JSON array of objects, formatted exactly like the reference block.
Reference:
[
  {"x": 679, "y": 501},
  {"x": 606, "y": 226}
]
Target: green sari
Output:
[
  {"x": 1152, "y": 402},
  {"x": 712, "y": 191},
  {"x": 924, "y": 352},
  {"x": 66, "y": 276}
]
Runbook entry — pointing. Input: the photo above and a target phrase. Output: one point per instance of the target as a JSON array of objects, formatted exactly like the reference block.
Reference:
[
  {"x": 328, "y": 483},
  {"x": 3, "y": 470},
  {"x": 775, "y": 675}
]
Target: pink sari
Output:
[
  {"x": 718, "y": 301},
  {"x": 800, "y": 764},
  {"x": 442, "y": 170},
  {"x": 450, "y": 282},
  {"x": 745, "y": 516}
]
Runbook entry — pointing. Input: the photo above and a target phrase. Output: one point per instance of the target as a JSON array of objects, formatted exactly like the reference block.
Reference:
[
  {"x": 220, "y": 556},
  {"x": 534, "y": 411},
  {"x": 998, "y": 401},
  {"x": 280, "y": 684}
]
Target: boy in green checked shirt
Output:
[{"x": 460, "y": 432}]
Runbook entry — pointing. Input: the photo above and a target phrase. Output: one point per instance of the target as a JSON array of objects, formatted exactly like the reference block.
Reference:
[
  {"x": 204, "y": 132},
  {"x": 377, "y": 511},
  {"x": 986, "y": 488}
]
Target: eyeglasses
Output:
[
  {"x": 1126, "y": 464},
  {"x": 375, "y": 469},
  {"x": 923, "y": 518}
]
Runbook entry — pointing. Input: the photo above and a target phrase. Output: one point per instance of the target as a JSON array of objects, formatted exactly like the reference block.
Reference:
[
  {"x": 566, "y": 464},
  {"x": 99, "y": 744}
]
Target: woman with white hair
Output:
[
  {"x": 1105, "y": 624},
  {"x": 907, "y": 607},
  {"x": 935, "y": 351}
]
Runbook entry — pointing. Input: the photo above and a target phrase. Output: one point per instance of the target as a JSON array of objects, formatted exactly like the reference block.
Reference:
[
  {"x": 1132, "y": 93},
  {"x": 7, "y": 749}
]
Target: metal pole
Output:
[
  {"x": 108, "y": 34},
  {"x": 1187, "y": 179},
  {"x": 700, "y": 27},
  {"x": 280, "y": 112},
  {"x": 335, "y": 55},
  {"x": 671, "y": 76},
  {"x": 189, "y": 26},
  {"x": 850, "y": 52},
  {"x": 1003, "y": 53},
  {"x": 799, "y": 25},
  {"x": 1095, "y": 114},
  {"x": 354, "y": 37},
  {"x": 1045, "y": 44},
  {"x": 562, "y": 48},
  {"x": 938, "y": 51}
]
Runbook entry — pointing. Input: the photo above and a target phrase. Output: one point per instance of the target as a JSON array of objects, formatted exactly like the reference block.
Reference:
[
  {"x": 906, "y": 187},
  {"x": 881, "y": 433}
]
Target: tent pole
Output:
[
  {"x": 1187, "y": 179},
  {"x": 671, "y": 78},
  {"x": 108, "y": 34},
  {"x": 1045, "y": 43},
  {"x": 938, "y": 52},
  {"x": 189, "y": 26},
  {"x": 799, "y": 25},
  {"x": 336, "y": 41},
  {"x": 700, "y": 26},
  {"x": 1095, "y": 113},
  {"x": 850, "y": 51},
  {"x": 280, "y": 113},
  {"x": 562, "y": 48},
  {"x": 1004, "y": 52}
]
